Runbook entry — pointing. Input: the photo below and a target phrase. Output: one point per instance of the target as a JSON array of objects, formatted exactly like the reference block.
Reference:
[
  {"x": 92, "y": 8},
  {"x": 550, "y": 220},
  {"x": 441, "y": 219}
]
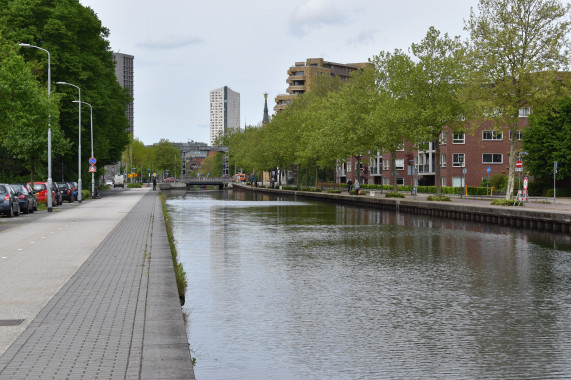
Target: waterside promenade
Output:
[
  {"x": 90, "y": 292},
  {"x": 544, "y": 216}
]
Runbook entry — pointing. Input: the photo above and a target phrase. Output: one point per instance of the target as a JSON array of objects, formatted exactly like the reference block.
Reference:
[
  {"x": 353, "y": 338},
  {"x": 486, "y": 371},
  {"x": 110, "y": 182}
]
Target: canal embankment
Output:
[{"x": 536, "y": 216}]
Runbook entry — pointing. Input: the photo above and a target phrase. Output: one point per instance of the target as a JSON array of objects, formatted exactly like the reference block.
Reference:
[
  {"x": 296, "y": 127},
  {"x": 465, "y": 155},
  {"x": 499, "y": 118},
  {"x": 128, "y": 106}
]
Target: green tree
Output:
[
  {"x": 548, "y": 139},
  {"x": 436, "y": 82},
  {"x": 25, "y": 107},
  {"x": 516, "y": 49},
  {"x": 80, "y": 54},
  {"x": 393, "y": 118},
  {"x": 212, "y": 165},
  {"x": 164, "y": 157}
]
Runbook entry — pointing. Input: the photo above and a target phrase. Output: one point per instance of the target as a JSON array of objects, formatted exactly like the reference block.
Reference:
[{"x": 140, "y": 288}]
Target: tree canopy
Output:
[{"x": 81, "y": 55}]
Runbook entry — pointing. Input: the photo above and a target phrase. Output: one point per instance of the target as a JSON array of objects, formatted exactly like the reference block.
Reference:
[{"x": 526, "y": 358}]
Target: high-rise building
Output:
[
  {"x": 303, "y": 74},
  {"x": 224, "y": 112},
  {"x": 125, "y": 77}
]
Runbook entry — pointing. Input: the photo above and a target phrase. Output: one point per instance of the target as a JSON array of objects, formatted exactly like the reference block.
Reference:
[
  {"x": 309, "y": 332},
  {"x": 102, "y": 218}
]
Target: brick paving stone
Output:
[{"x": 96, "y": 326}]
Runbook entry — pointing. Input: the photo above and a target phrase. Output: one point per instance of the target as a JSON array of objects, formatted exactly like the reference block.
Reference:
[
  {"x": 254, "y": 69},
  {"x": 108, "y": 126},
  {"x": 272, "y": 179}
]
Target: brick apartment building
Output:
[{"x": 476, "y": 151}]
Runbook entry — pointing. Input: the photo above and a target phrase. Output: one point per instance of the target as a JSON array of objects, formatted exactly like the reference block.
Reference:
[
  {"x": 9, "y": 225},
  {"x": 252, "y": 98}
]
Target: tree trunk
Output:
[
  {"x": 513, "y": 154},
  {"x": 394, "y": 170},
  {"x": 316, "y": 175},
  {"x": 307, "y": 175},
  {"x": 358, "y": 169},
  {"x": 438, "y": 174}
]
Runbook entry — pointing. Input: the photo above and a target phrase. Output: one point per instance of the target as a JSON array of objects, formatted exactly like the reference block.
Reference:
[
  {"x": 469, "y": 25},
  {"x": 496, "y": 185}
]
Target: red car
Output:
[
  {"x": 41, "y": 189},
  {"x": 170, "y": 179}
]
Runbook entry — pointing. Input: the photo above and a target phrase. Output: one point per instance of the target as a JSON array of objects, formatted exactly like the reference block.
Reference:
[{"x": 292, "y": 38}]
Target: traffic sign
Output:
[
  {"x": 525, "y": 183},
  {"x": 489, "y": 169},
  {"x": 464, "y": 171},
  {"x": 92, "y": 161},
  {"x": 519, "y": 164},
  {"x": 92, "y": 169}
]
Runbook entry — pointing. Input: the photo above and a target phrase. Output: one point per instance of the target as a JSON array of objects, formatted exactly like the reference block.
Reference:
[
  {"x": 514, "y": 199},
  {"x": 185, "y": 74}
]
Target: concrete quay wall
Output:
[{"x": 518, "y": 217}]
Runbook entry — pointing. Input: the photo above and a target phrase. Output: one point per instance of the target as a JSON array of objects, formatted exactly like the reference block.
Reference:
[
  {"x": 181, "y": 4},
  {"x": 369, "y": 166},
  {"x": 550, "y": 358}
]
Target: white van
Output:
[{"x": 119, "y": 181}]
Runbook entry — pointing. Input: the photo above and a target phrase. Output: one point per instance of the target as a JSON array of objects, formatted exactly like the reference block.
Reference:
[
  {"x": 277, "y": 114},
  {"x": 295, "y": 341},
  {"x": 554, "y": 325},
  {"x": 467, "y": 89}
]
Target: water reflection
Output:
[{"x": 286, "y": 289}]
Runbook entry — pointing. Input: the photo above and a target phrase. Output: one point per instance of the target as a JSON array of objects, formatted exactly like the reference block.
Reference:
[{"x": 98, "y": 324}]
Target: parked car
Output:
[
  {"x": 31, "y": 191},
  {"x": 74, "y": 189},
  {"x": 9, "y": 204},
  {"x": 170, "y": 179},
  {"x": 26, "y": 199},
  {"x": 66, "y": 191},
  {"x": 41, "y": 191},
  {"x": 109, "y": 183},
  {"x": 59, "y": 198}
]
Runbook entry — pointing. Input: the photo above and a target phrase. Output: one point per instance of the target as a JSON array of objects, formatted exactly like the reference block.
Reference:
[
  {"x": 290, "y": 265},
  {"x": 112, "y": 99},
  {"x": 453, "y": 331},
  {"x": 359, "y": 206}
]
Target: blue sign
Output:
[
  {"x": 489, "y": 169},
  {"x": 92, "y": 161}
]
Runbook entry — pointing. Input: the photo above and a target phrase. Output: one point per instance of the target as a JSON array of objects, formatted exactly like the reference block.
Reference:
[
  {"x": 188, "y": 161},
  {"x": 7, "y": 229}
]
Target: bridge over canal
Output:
[{"x": 186, "y": 182}]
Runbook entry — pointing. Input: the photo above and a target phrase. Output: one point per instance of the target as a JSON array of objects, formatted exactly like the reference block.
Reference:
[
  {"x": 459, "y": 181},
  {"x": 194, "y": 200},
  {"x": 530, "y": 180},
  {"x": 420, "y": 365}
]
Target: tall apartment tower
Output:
[
  {"x": 125, "y": 77},
  {"x": 224, "y": 112},
  {"x": 303, "y": 74}
]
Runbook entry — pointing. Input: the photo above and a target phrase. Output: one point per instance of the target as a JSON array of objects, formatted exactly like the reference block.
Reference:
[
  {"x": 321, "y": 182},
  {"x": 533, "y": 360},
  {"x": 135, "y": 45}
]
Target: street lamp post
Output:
[
  {"x": 79, "y": 195},
  {"x": 413, "y": 177},
  {"x": 91, "y": 123},
  {"x": 48, "y": 199}
]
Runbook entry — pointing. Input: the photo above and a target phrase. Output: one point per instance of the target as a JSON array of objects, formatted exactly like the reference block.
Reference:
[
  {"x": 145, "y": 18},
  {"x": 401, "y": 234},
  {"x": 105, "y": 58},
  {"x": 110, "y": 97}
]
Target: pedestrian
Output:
[
  {"x": 154, "y": 183},
  {"x": 357, "y": 187},
  {"x": 349, "y": 186}
]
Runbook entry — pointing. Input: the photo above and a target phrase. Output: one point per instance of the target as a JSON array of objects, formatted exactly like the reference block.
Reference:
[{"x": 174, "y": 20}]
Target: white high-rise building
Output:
[
  {"x": 224, "y": 112},
  {"x": 124, "y": 73}
]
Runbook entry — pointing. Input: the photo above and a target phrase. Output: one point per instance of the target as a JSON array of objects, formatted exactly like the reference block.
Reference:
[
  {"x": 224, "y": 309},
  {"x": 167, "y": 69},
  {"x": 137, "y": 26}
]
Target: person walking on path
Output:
[{"x": 154, "y": 183}]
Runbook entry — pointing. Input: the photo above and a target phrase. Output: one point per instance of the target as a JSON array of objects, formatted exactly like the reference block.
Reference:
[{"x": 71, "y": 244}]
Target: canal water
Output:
[{"x": 280, "y": 288}]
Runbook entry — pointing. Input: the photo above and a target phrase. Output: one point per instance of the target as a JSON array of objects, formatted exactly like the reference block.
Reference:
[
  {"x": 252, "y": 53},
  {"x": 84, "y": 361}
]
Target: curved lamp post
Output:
[
  {"x": 91, "y": 120},
  {"x": 79, "y": 197},
  {"x": 48, "y": 199}
]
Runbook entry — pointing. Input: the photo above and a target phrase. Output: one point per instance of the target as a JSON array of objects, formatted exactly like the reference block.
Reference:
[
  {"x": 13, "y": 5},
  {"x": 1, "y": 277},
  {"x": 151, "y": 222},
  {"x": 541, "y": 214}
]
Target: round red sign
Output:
[{"x": 519, "y": 164}]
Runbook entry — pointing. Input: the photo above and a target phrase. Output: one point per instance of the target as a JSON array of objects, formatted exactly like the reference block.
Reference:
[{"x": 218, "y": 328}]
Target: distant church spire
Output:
[{"x": 266, "y": 116}]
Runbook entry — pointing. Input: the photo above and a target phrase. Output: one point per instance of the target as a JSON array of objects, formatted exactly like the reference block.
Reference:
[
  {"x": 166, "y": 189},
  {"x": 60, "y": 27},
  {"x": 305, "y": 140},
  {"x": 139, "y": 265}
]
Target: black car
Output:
[
  {"x": 27, "y": 199},
  {"x": 9, "y": 204},
  {"x": 59, "y": 198},
  {"x": 66, "y": 191}
]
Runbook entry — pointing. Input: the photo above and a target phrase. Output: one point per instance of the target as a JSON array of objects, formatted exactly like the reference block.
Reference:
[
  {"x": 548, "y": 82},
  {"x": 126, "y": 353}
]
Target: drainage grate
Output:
[{"x": 10, "y": 322}]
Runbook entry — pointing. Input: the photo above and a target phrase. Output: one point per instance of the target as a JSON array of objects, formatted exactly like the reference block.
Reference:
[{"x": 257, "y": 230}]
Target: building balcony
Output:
[
  {"x": 291, "y": 89},
  {"x": 424, "y": 169}
]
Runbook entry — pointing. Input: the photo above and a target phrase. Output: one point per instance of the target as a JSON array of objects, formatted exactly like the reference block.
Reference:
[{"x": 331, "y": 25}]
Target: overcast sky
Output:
[{"x": 185, "y": 48}]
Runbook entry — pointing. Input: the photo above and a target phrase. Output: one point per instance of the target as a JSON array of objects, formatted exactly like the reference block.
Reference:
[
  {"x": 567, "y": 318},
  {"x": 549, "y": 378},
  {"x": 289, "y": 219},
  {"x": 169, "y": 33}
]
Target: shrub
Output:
[
  {"x": 503, "y": 202},
  {"x": 394, "y": 195},
  {"x": 135, "y": 185},
  {"x": 499, "y": 182},
  {"x": 563, "y": 192},
  {"x": 435, "y": 198},
  {"x": 334, "y": 191},
  {"x": 85, "y": 194}
]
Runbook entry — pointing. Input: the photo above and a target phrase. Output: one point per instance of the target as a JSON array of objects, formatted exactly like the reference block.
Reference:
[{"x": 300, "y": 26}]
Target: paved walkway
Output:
[{"x": 90, "y": 293}]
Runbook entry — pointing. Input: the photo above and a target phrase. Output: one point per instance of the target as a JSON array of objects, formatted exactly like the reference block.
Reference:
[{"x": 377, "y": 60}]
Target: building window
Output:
[
  {"x": 401, "y": 147},
  {"x": 492, "y": 158},
  {"x": 386, "y": 181},
  {"x": 443, "y": 160},
  {"x": 400, "y": 181},
  {"x": 386, "y": 165},
  {"x": 399, "y": 163},
  {"x": 443, "y": 181},
  {"x": 348, "y": 167},
  {"x": 443, "y": 138},
  {"x": 524, "y": 112},
  {"x": 458, "y": 160},
  {"x": 519, "y": 134},
  {"x": 491, "y": 135},
  {"x": 459, "y": 138}
]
